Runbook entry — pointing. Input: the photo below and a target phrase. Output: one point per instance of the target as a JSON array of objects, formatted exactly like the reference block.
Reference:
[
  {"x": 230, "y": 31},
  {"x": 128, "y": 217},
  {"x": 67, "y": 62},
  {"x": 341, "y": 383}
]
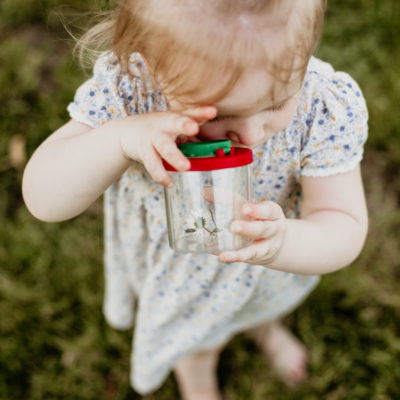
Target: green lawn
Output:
[{"x": 54, "y": 343}]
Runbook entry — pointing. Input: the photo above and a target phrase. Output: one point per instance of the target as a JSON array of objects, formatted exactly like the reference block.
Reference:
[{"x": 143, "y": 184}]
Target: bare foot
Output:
[
  {"x": 196, "y": 376},
  {"x": 287, "y": 356}
]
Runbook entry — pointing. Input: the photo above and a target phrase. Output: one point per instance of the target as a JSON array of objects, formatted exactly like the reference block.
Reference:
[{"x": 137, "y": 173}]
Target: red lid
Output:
[{"x": 237, "y": 157}]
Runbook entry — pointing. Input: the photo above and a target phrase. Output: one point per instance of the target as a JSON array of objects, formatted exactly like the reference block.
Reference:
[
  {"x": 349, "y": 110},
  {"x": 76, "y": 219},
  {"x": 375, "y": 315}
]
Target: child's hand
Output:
[
  {"x": 267, "y": 228},
  {"x": 149, "y": 138}
]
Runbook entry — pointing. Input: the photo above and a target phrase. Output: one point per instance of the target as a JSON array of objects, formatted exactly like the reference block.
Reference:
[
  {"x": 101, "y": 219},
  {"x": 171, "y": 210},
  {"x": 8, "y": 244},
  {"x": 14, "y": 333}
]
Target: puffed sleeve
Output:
[
  {"x": 104, "y": 96},
  {"x": 336, "y": 126}
]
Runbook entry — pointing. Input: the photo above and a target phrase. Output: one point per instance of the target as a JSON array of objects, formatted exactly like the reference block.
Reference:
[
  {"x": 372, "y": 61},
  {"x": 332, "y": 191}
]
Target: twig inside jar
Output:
[{"x": 200, "y": 223}]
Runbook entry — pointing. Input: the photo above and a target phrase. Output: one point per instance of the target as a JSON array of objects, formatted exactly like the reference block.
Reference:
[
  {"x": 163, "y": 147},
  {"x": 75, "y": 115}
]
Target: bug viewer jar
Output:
[{"x": 203, "y": 201}]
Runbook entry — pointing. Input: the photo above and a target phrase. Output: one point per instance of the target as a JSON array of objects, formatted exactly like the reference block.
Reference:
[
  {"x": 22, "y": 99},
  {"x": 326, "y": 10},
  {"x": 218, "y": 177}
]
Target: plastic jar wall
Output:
[{"x": 203, "y": 202}]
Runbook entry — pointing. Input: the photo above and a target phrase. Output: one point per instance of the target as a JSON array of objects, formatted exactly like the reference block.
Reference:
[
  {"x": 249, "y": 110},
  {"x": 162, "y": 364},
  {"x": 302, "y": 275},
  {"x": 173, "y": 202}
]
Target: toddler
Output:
[{"x": 179, "y": 70}]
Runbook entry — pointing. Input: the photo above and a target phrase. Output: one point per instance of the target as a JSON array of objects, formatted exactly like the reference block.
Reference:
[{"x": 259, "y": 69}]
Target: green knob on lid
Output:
[{"x": 204, "y": 149}]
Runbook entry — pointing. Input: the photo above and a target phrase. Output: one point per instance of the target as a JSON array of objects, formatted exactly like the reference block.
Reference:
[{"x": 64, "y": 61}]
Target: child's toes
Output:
[
  {"x": 296, "y": 376},
  {"x": 284, "y": 352},
  {"x": 291, "y": 365}
]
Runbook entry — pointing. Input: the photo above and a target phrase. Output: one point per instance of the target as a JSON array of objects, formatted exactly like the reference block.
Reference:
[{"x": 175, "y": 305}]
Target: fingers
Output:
[
  {"x": 154, "y": 166},
  {"x": 163, "y": 146},
  {"x": 256, "y": 229},
  {"x": 181, "y": 124},
  {"x": 169, "y": 151},
  {"x": 178, "y": 125},
  {"x": 265, "y": 210},
  {"x": 267, "y": 220},
  {"x": 267, "y": 228},
  {"x": 187, "y": 122},
  {"x": 257, "y": 251},
  {"x": 155, "y": 136},
  {"x": 201, "y": 114}
]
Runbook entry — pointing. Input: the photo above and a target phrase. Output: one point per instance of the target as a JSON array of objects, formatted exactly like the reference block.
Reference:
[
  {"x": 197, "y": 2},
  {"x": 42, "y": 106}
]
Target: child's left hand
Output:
[{"x": 267, "y": 228}]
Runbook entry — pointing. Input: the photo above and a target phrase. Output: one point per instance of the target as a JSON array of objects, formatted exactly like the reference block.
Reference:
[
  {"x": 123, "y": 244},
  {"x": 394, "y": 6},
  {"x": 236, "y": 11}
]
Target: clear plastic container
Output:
[{"x": 203, "y": 202}]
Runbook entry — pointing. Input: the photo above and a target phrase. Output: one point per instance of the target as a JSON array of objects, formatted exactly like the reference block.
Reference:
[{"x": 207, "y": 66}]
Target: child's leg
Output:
[
  {"x": 196, "y": 375},
  {"x": 283, "y": 351}
]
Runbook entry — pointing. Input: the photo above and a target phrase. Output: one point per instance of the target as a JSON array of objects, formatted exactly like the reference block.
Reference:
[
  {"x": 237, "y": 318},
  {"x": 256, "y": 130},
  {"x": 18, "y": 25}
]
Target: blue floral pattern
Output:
[{"x": 188, "y": 303}]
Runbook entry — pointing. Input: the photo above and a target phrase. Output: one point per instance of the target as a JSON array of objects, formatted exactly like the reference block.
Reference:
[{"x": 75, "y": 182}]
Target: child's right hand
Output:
[{"x": 149, "y": 138}]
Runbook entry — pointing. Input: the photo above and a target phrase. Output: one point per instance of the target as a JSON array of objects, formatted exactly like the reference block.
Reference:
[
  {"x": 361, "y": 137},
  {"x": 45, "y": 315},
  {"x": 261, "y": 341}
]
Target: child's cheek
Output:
[
  {"x": 281, "y": 120},
  {"x": 277, "y": 125}
]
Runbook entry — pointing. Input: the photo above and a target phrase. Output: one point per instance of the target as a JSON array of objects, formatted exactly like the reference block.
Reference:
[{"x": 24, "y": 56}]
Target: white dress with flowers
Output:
[{"x": 183, "y": 303}]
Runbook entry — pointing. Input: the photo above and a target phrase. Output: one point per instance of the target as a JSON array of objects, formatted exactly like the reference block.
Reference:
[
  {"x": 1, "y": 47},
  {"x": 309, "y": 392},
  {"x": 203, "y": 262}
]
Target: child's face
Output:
[
  {"x": 247, "y": 116},
  {"x": 248, "y": 121}
]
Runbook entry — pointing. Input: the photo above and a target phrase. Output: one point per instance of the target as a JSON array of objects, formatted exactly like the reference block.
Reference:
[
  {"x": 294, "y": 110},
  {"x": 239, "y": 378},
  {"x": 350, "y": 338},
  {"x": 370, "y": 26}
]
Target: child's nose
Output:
[{"x": 245, "y": 132}]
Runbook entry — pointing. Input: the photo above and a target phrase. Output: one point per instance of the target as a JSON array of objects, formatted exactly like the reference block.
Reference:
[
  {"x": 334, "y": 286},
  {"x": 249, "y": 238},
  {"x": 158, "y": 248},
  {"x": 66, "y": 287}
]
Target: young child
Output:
[{"x": 238, "y": 69}]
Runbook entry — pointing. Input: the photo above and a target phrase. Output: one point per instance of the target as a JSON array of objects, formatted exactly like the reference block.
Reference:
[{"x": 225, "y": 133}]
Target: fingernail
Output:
[
  {"x": 170, "y": 184},
  {"x": 212, "y": 111},
  {"x": 190, "y": 127},
  {"x": 183, "y": 164},
  {"x": 246, "y": 209}
]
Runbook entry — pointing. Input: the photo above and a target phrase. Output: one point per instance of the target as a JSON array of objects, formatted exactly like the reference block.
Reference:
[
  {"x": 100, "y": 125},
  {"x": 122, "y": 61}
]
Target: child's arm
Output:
[
  {"x": 329, "y": 235},
  {"x": 76, "y": 164}
]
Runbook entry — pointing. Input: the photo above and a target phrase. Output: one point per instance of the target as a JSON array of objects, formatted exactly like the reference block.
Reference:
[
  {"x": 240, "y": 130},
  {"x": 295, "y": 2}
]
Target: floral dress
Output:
[{"x": 183, "y": 303}]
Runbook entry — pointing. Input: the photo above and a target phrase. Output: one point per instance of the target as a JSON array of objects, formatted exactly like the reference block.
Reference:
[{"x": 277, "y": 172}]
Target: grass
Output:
[{"x": 54, "y": 343}]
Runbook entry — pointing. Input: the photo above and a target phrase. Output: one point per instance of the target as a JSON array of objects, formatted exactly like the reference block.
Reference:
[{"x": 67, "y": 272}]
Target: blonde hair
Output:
[{"x": 182, "y": 56}]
